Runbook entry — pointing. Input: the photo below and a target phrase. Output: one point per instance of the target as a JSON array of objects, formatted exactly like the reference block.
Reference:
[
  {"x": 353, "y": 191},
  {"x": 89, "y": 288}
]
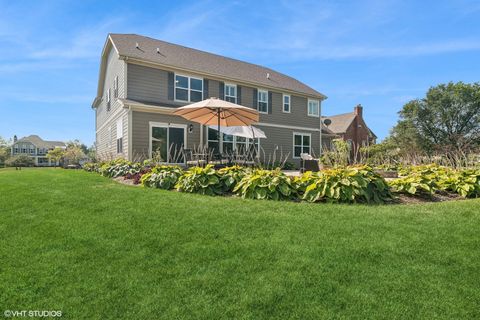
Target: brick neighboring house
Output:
[
  {"x": 352, "y": 128},
  {"x": 36, "y": 148}
]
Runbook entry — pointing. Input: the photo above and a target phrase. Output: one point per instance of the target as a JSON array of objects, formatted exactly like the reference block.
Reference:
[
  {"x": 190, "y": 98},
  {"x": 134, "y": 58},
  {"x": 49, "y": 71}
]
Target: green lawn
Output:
[{"x": 93, "y": 248}]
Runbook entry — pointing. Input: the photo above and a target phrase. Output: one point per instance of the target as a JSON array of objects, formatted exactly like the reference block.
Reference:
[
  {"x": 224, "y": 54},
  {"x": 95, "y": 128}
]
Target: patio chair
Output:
[
  {"x": 193, "y": 159},
  {"x": 308, "y": 163}
]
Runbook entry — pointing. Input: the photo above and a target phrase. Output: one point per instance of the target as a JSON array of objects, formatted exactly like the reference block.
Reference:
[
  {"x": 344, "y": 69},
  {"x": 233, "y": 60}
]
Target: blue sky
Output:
[{"x": 377, "y": 53}]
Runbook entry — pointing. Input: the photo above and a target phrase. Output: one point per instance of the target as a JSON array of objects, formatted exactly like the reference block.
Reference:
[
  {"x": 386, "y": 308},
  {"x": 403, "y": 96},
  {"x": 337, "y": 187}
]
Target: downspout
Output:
[{"x": 320, "y": 116}]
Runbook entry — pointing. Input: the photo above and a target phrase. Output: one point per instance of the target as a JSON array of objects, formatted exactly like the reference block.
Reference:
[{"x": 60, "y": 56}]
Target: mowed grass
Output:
[{"x": 95, "y": 249}]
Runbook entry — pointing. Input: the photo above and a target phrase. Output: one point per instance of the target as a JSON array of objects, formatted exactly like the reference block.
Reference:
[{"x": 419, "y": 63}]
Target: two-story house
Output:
[
  {"x": 142, "y": 80},
  {"x": 36, "y": 148}
]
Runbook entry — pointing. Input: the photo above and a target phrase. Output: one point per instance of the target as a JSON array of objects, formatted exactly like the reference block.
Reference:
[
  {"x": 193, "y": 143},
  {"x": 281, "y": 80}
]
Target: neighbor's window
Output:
[
  {"x": 313, "y": 108},
  {"x": 301, "y": 144},
  {"x": 231, "y": 93},
  {"x": 188, "y": 89},
  {"x": 262, "y": 101},
  {"x": 286, "y": 103}
]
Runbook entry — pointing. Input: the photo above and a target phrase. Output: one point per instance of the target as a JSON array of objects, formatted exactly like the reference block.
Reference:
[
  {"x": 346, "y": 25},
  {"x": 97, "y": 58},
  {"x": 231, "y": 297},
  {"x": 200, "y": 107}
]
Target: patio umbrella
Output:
[
  {"x": 250, "y": 132},
  {"x": 218, "y": 112}
]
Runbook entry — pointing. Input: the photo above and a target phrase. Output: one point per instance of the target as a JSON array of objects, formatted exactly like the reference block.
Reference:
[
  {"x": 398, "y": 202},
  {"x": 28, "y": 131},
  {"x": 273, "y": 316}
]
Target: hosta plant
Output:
[
  {"x": 265, "y": 184},
  {"x": 162, "y": 177},
  {"x": 118, "y": 168},
  {"x": 90, "y": 166},
  {"x": 465, "y": 183},
  {"x": 344, "y": 185},
  {"x": 231, "y": 176},
  {"x": 200, "y": 180}
]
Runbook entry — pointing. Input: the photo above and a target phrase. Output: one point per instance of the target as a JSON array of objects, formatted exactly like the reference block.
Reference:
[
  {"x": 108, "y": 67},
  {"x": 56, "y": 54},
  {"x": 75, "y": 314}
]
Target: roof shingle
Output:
[{"x": 204, "y": 62}]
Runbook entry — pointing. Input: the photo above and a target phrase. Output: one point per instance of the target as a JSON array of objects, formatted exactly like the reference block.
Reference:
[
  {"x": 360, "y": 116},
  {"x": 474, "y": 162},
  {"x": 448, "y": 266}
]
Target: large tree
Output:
[{"x": 447, "y": 119}]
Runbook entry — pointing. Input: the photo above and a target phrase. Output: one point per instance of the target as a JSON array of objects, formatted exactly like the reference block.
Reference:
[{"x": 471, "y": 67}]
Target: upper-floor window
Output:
[
  {"x": 115, "y": 87},
  {"x": 286, "y": 103},
  {"x": 188, "y": 88},
  {"x": 231, "y": 93},
  {"x": 108, "y": 99},
  {"x": 262, "y": 105},
  {"x": 313, "y": 108}
]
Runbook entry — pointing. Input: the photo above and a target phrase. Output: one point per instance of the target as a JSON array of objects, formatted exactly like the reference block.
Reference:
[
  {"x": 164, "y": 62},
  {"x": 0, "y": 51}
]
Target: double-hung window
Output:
[
  {"x": 231, "y": 93},
  {"x": 262, "y": 105},
  {"x": 188, "y": 89},
  {"x": 301, "y": 144},
  {"x": 313, "y": 108},
  {"x": 286, "y": 103}
]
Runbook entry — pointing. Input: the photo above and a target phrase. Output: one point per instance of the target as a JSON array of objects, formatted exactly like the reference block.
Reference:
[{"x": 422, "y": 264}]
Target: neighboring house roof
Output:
[
  {"x": 341, "y": 122},
  {"x": 40, "y": 143},
  {"x": 203, "y": 62}
]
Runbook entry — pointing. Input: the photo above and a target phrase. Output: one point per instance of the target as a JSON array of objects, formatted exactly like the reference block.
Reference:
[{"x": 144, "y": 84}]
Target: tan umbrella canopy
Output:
[{"x": 218, "y": 112}]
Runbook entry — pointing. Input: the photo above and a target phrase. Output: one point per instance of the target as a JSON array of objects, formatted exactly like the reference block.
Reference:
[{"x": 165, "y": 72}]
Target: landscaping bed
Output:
[{"x": 350, "y": 184}]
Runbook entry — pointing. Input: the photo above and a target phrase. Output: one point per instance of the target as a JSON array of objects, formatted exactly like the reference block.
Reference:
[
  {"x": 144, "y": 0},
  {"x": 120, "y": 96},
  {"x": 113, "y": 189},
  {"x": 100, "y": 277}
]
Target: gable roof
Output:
[
  {"x": 40, "y": 143},
  {"x": 340, "y": 122},
  {"x": 173, "y": 55}
]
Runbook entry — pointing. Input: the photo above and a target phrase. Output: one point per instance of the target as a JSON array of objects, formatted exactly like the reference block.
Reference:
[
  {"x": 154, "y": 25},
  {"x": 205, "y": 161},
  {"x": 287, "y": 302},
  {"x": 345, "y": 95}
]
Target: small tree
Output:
[
  {"x": 73, "y": 154},
  {"x": 20, "y": 161},
  {"x": 55, "y": 155},
  {"x": 4, "y": 151}
]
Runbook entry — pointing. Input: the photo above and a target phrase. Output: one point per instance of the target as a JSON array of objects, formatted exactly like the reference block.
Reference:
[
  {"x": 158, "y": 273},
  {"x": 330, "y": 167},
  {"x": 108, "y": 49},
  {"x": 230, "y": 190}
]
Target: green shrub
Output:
[
  {"x": 231, "y": 176},
  {"x": 118, "y": 168},
  {"x": 200, "y": 180},
  {"x": 162, "y": 177},
  {"x": 415, "y": 184},
  {"x": 265, "y": 184},
  {"x": 464, "y": 182},
  {"x": 344, "y": 185},
  {"x": 20, "y": 161},
  {"x": 91, "y": 166},
  {"x": 422, "y": 179}
]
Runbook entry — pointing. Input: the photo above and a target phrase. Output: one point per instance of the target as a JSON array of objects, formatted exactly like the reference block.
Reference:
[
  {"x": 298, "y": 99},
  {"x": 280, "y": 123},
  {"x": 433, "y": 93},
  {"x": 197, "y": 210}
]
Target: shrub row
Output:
[
  {"x": 347, "y": 185},
  {"x": 354, "y": 184},
  {"x": 427, "y": 179}
]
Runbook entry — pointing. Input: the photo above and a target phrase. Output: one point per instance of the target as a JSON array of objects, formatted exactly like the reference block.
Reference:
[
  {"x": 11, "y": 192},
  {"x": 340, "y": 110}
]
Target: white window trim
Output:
[
  {"x": 225, "y": 91},
  {"x": 188, "y": 89},
  {"x": 258, "y": 100},
  {"x": 289, "y": 103},
  {"x": 165, "y": 125},
  {"x": 308, "y": 108},
  {"x": 293, "y": 142}
]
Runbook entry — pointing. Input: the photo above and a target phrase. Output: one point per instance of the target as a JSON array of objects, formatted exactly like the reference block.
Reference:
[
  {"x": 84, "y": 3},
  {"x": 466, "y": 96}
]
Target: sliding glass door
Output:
[{"x": 167, "y": 142}]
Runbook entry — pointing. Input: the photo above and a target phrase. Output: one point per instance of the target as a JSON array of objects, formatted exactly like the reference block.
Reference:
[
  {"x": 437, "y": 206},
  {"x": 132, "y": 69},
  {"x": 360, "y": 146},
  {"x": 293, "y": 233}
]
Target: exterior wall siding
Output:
[{"x": 106, "y": 143}]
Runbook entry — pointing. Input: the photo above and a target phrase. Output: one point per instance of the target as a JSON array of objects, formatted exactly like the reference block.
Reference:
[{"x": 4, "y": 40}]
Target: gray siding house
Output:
[
  {"x": 142, "y": 80},
  {"x": 36, "y": 148}
]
